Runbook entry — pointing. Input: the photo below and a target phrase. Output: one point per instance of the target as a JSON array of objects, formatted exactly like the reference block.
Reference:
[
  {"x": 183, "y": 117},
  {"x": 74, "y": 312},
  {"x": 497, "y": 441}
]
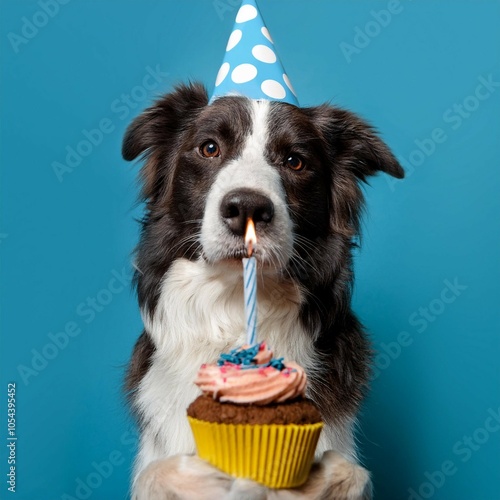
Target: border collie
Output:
[{"x": 297, "y": 173}]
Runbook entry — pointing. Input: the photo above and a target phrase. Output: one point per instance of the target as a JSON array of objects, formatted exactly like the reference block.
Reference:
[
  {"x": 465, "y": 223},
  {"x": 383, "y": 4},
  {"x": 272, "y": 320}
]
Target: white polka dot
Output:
[
  {"x": 273, "y": 89},
  {"x": 266, "y": 33},
  {"x": 234, "y": 39},
  {"x": 244, "y": 73},
  {"x": 264, "y": 53},
  {"x": 221, "y": 75},
  {"x": 289, "y": 84},
  {"x": 246, "y": 13}
]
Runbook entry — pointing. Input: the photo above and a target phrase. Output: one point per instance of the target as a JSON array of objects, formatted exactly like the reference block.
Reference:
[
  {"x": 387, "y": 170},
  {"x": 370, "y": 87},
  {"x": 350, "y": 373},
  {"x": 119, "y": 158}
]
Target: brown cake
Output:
[{"x": 298, "y": 411}]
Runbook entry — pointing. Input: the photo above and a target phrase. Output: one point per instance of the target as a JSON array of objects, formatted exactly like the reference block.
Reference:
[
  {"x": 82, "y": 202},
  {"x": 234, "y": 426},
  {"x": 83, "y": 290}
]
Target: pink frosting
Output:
[{"x": 258, "y": 384}]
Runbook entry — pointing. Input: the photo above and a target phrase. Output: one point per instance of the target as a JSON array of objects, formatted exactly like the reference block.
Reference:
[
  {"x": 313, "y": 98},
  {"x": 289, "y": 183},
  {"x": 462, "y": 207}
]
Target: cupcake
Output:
[{"x": 253, "y": 421}]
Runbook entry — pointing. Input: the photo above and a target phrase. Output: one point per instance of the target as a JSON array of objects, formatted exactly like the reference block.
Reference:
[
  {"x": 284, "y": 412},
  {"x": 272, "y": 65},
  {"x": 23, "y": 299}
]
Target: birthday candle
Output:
[{"x": 250, "y": 284}]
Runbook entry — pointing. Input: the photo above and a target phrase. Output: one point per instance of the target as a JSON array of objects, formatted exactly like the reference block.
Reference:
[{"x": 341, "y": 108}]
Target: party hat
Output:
[{"x": 251, "y": 66}]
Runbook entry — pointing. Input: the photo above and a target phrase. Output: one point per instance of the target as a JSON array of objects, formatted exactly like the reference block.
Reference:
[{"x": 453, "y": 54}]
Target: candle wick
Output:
[{"x": 249, "y": 248}]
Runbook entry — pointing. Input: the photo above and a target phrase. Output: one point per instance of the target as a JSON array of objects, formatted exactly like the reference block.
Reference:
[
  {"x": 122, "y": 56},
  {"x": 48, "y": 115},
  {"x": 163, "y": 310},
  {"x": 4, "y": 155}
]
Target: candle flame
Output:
[{"x": 250, "y": 237}]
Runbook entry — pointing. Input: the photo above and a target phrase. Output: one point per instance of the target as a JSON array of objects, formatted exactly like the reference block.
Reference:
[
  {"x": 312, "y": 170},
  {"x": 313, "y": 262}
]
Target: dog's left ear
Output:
[
  {"x": 354, "y": 143},
  {"x": 154, "y": 135}
]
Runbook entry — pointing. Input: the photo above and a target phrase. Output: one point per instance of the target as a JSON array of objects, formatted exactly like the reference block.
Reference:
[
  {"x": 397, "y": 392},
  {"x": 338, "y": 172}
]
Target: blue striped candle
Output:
[
  {"x": 250, "y": 297},
  {"x": 250, "y": 283}
]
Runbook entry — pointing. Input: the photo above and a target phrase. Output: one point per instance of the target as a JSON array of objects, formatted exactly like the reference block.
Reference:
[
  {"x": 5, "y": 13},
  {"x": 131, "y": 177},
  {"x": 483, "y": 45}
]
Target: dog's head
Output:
[{"x": 295, "y": 171}]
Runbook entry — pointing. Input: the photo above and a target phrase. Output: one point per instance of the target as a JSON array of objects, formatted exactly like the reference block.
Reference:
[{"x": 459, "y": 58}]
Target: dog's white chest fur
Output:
[{"x": 199, "y": 314}]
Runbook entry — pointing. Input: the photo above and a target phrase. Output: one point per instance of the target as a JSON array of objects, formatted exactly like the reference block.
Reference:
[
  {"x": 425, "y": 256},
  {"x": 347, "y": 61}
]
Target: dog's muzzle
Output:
[{"x": 240, "y": 193}]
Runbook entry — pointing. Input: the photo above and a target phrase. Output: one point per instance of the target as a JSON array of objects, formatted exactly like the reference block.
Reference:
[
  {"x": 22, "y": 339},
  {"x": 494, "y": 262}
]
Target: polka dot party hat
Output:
[{"x": 251, "y": 66}]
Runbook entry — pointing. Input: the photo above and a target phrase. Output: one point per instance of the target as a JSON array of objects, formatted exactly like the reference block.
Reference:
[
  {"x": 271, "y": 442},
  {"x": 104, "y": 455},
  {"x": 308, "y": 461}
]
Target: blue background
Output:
[{"x": 61, "y": 240}]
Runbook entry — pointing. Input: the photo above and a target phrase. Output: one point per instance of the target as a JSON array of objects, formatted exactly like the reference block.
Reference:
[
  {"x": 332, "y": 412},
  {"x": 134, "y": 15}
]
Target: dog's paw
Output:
[
  {"x": 181, "y": 477},
  {"x": 335, "y": 478},
  {"x": 187, "y": 477}
]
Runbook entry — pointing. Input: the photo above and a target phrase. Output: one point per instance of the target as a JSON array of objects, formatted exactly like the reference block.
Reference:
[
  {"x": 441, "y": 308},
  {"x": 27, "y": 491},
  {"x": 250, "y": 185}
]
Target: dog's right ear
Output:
[{"x": 153, "y": 133}]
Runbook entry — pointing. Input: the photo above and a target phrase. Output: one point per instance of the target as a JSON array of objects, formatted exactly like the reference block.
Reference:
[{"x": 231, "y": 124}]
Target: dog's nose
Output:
[{"x": 240, "y": 205}]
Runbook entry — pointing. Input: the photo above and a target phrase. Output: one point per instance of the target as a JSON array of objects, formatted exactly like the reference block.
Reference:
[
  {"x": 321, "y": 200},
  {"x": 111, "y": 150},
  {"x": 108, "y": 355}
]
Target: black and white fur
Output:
[{"x": 189, "y": 277}]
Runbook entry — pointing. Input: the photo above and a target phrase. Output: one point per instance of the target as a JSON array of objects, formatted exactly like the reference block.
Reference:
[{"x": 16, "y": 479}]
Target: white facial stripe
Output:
[{"x": 250, "y": 171}]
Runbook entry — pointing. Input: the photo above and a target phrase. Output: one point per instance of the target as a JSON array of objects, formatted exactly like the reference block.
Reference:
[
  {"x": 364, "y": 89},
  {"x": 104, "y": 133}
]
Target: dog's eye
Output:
[
  {"x": 294, "y": 162},
  {"x": 210, "y": 149}
]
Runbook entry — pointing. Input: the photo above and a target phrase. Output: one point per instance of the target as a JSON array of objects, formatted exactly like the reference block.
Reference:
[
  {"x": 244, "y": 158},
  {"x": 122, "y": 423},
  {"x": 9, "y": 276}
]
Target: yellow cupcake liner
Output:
[{"x": 277, "y": 456}]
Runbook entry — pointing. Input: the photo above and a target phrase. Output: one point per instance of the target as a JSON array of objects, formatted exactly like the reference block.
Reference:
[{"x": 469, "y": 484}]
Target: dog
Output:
[{"x": 207, "y": 168}]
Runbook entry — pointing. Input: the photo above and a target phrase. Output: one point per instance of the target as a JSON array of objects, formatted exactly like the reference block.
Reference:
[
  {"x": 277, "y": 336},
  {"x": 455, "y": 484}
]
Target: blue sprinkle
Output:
[{"x": 245, "y": 358}]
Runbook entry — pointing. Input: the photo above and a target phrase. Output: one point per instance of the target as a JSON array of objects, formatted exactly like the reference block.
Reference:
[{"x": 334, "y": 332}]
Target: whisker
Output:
[
  {"x": 297, "y": 214},
  {"x": 196, "y": 242},
  {"x": 310, "y": 261},
  {"x": 193, "y": 221},
  {"x": 194, "y": 238},
  {"x": 306, "y": 241}
]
